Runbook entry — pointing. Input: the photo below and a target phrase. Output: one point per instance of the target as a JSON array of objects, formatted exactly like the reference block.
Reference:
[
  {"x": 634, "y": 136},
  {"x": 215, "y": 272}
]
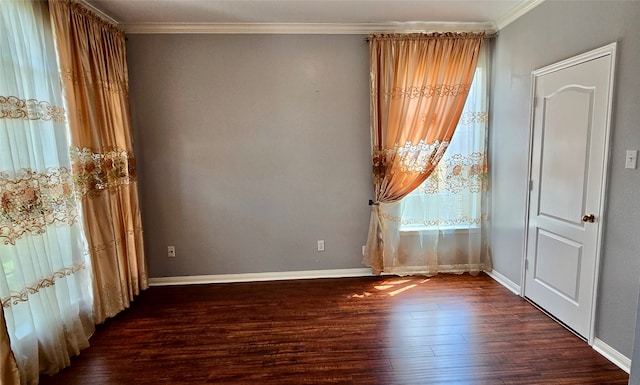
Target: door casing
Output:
[{"x": 608, "y": 50}]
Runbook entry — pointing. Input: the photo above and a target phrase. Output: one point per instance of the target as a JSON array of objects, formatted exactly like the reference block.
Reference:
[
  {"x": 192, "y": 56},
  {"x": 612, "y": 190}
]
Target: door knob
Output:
[{"x": 589, "y": 218}]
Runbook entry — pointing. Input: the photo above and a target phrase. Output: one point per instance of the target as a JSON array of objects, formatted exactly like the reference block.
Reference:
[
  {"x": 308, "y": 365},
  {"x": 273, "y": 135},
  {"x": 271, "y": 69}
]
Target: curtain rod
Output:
[{"x": 487, "y": 36}]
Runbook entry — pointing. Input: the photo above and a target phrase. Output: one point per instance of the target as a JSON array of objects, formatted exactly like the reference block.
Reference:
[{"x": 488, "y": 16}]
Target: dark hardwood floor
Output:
[{"x": 374, "y": 330}]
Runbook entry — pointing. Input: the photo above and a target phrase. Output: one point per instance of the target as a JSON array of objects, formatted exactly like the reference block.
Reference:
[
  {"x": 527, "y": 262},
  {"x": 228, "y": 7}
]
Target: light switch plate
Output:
[{"x": 631, "y": 159}]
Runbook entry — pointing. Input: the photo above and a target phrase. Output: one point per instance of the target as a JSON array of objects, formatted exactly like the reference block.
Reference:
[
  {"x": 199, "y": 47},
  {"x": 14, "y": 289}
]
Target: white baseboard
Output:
[
  {"x": 255, "y": 277},
  {"x": 599, "y": 346},
  {"x": 612, "y": 355},
  {"x": 504, "y": 281}
]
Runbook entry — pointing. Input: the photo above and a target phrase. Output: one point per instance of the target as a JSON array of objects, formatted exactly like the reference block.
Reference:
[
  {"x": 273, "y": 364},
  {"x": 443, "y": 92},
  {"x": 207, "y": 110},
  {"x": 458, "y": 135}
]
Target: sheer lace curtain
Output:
[
  {"x": 45, "y": 276},
  {"x": 441, "y": 226},
  {"x": 419, "y": 85},
  {"x": 92, "y": 59}
]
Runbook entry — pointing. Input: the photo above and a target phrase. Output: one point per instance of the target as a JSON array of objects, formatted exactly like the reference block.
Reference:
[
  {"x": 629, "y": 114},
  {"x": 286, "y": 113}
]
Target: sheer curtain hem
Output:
[{"x": 437, "y": 269}]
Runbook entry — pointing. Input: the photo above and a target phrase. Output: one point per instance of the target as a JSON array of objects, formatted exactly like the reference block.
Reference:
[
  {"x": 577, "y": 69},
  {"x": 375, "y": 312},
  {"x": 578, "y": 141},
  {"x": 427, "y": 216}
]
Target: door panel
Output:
[
  {"x": 558, "y": 264},
  {"x": 570, "y": 131},
  {"x": 562, "y": 177}
]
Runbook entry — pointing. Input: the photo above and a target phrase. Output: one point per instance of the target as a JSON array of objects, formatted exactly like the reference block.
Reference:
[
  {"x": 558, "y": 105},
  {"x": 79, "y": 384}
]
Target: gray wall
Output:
[
  {"x": 553, "y": 31},
  {"x": 250, "y": 149}
]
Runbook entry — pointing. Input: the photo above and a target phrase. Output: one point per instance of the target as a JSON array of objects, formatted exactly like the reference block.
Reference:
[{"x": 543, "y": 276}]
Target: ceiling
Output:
[{"x": 148, "y": 16}]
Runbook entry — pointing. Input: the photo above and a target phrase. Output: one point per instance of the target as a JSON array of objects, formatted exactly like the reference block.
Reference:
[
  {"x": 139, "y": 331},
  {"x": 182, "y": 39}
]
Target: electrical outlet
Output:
[
  {"x": 320, "y": 245},
  {"x": 171, "y": 251}
]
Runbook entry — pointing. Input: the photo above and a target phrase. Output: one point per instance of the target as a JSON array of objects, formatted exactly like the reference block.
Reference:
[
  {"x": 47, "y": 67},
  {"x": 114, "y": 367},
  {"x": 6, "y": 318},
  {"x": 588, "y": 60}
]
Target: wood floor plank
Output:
[{"x": 448, "y": 329}]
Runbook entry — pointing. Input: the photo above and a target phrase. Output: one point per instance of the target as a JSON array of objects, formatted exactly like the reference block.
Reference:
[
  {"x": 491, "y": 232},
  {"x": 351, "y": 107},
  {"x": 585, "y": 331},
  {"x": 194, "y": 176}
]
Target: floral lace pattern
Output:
[
  {"x": 12, "y": 107},
  {"x": 473, "y": 117},
  {"x": 94, "y": 172},
  {"x": 462, "y": 220},
  {"x": 86, "y": 78},
  {"x": 458, "y": 173},
  {"x": 15, "y": 297},
  {"x": 409, "y": 158},
  {"x": 97, "y": 249},
  {"x": 428, "y": 91},
  {"x": 30, "y": 201}
]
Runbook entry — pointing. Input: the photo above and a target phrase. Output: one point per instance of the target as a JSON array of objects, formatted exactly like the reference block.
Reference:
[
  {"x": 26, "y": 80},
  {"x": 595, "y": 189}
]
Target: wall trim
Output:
[
  {"x": 98, "y": 12},
  {"x": 307, "y": 28},
  {"x": 255, "y": 277},
  {"x": 612, "y": 355},
  {"x": 321, "y": 28},
  {"x": 617, "y": 358},
  {"x": 516, "y": 12},
  {"x": 504, "y": 281}
]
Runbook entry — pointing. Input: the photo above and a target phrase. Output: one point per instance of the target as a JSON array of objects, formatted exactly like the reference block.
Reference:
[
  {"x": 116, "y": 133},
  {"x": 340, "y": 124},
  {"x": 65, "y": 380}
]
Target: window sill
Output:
[{"x": 447, "y": 229}]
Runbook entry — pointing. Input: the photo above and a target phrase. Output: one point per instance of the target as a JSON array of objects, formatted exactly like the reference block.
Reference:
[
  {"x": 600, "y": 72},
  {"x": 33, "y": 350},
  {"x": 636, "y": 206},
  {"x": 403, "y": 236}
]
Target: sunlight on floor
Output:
[
  {"x": 397, "y": 285},
  {"x": 394, "y": 287}
]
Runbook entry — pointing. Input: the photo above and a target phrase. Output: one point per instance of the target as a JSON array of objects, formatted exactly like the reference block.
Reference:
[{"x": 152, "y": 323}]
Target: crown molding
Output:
[
  {"x": 99, "y": 12},
  {"x": 523, "y": 7},
  {"x": 319, "y": 28},
  {"x": 304, "y": 28}
]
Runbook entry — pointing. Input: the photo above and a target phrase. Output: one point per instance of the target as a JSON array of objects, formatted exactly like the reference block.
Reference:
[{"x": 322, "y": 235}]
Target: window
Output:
[{"x": 451, "y": 197}]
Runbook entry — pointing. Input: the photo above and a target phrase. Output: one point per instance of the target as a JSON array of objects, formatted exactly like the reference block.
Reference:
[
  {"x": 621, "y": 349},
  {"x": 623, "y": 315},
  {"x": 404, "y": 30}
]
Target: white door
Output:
[{"x": 570, "y": 136}]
